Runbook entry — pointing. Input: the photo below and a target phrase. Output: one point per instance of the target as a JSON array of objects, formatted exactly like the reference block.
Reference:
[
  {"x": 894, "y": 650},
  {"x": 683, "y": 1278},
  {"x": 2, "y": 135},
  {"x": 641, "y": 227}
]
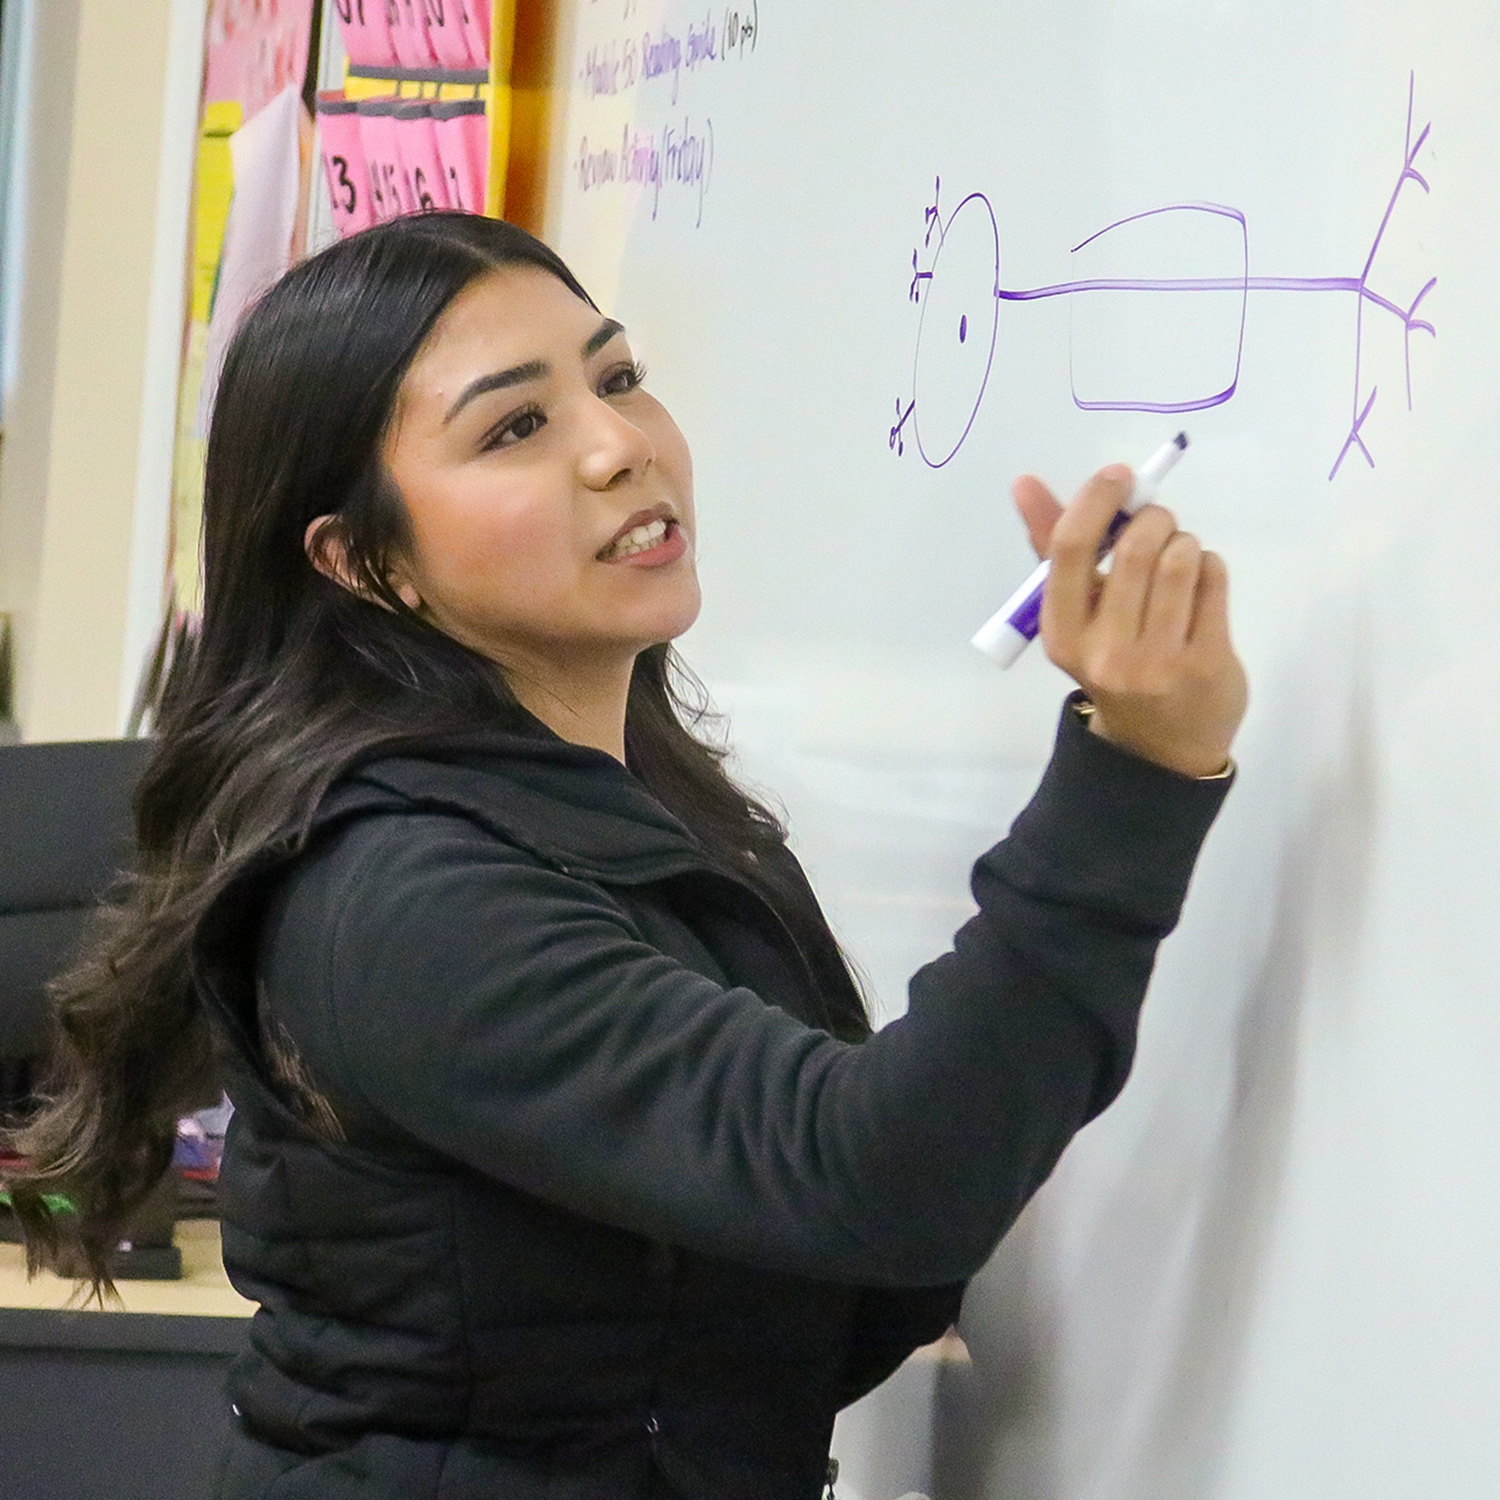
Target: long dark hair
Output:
[{"x": 292, "y": 680}]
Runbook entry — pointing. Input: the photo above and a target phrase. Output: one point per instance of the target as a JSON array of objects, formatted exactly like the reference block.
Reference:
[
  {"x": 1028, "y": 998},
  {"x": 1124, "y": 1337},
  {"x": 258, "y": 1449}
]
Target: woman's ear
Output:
[
  {"x": 323, "y": 541},
  {"x": 326, "y": 550}
]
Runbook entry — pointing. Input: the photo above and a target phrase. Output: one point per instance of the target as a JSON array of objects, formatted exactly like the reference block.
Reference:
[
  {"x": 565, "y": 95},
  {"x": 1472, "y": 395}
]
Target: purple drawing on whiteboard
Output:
[{"x": 959, "y": 293}]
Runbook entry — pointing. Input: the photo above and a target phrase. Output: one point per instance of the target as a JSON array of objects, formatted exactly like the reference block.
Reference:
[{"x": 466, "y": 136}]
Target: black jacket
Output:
[{"x": 545, "y": 1177}]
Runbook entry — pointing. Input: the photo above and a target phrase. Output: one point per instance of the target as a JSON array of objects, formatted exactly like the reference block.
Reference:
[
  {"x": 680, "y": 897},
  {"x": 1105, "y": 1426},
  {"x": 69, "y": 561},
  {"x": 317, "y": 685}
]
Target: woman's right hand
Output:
[{"x": 1149, "y": 640}]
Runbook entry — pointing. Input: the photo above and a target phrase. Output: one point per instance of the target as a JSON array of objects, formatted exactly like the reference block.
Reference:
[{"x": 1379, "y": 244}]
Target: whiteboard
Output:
[{"x": 881, "y": 258}]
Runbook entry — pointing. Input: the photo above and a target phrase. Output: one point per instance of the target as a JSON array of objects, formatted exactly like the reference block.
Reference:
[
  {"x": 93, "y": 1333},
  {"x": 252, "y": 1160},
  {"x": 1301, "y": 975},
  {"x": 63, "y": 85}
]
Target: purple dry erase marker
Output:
[{"x": 1014, "y": 626}]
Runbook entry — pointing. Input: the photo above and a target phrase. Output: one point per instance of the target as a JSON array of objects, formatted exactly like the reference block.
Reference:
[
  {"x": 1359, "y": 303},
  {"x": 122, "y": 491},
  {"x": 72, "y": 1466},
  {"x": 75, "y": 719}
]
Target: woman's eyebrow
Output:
[
  {"x": 601, "y": 336},
  {"x": 533, "y": 369}
]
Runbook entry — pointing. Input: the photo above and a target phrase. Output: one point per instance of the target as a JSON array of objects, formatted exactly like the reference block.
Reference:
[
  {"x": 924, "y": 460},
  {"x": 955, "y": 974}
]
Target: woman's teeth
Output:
[{"x": 641, "y": 539}]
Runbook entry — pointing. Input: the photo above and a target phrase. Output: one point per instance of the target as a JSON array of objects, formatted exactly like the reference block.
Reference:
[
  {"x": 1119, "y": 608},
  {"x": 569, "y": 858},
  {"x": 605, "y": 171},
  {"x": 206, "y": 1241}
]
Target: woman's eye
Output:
[
  {"x": 515, "y": 429},
  {"x": 623, "y": 378}
]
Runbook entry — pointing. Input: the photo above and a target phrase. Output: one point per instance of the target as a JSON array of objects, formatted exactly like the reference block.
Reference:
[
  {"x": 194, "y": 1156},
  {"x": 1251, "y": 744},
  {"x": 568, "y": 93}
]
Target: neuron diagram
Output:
[{"x": 1123, "y": 355}]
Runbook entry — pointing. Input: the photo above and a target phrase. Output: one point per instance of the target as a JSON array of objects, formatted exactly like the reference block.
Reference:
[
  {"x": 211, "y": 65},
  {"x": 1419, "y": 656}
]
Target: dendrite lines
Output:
[{"x": 1411, "y": 323}]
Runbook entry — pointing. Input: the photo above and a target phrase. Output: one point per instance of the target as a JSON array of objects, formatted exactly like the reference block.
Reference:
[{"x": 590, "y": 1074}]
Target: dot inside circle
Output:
[{"x": 963, "y": 328}]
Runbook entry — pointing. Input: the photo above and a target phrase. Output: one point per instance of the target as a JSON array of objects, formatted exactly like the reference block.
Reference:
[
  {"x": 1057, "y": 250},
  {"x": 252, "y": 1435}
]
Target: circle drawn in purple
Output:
[{"x": 971, "y": 236}]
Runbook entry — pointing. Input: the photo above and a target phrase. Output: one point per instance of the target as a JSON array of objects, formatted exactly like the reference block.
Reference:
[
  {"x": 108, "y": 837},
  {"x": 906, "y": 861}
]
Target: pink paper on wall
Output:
[
  {"x": 377, "y": 132},
  {"x": 445, "y": 34},
  {"x": 422, "y": 169},
  {"x": 463, "y": 143},
  {"x": 366, "y": 30},
  {"x": 344, "y": 166},
  {"x": 256, "y": 50},
  {"x": 409, "y": 33},
  {"x": 474, "y": 17}
]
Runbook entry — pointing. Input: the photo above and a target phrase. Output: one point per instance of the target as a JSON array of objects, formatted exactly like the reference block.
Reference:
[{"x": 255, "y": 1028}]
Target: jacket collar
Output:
[{"x": 576, "y": 808}]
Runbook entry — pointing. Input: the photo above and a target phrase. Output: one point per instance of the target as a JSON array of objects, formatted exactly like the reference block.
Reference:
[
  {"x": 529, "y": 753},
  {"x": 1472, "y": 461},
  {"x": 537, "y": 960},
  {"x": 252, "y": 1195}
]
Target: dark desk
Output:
[{"x": 117, "y": 1405}]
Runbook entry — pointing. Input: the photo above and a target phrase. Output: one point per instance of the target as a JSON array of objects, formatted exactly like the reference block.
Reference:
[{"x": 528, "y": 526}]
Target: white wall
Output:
[
  {"x": 85, "y": 472},
  {"x": 1269, "y": 1270}
]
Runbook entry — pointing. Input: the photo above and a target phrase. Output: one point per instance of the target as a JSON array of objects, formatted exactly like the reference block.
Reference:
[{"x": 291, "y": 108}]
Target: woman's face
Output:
[{"x": 551, "y": 498}]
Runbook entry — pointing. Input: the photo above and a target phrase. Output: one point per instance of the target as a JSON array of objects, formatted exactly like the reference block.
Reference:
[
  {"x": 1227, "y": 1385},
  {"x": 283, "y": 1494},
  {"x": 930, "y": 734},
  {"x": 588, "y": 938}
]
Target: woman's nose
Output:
[{"x": 615, "y": 449}]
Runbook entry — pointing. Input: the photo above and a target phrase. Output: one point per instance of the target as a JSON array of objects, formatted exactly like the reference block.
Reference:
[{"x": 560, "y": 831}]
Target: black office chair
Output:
[{"x": 65, "y": 830}]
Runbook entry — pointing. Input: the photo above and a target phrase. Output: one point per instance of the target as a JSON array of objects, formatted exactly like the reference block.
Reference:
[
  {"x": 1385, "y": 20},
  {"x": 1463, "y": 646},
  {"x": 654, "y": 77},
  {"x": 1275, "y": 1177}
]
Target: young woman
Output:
[{"x": 564, "y": 1163}]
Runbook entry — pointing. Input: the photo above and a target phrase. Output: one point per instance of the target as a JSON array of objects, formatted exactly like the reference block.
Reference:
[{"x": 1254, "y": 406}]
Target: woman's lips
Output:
[
  {"x": 672, "y": 546},
  {"x": 648, "y": 534},
  {"x": 626, "y": 540}
]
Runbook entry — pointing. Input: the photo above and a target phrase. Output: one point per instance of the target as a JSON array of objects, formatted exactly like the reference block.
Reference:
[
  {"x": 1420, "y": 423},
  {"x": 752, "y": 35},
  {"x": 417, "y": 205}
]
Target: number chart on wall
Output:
[
  {"x": 422, "y": 119},
  {"x": 882, "y": 258}
]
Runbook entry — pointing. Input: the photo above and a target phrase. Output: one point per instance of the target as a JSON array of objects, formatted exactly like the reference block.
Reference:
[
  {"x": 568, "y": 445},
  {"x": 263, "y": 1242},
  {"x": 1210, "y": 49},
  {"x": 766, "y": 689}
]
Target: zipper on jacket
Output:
[{"x": 664, "y": 1268}]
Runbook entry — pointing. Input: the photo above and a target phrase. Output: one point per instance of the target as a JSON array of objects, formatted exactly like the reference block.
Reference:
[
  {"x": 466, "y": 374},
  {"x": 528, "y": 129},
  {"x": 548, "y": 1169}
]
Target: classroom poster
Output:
[{"x": 250, "y": 196}]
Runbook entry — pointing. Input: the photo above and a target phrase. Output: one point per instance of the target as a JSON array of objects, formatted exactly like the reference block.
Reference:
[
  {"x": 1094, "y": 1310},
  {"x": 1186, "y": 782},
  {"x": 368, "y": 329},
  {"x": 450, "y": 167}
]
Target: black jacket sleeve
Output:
[
  {"x": 889, "y": 1322},
  {"x": 510, "y": 1016}
]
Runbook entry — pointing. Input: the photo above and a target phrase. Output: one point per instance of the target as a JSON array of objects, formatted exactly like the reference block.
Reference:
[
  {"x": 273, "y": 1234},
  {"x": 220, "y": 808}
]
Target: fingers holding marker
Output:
[
  {"x": 1074, "y": 542},
  {"x": 1133, "y": 577},
  {"x": 1039, "y": 510},
  {"x": 1149, "y": 640},
  {"x": 1082, "y": 528},
  {"x": 1172, "y": 603},
  {"x": 1112, "y": 494},
  {"x": 1079, "y": 536},
  {"x": 1160, "y": 665},
  {"x": 1209, "y": 628}
]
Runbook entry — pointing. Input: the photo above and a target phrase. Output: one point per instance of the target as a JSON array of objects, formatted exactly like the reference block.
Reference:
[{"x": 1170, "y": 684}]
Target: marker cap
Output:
[{"x": 1000, "y": 641}]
